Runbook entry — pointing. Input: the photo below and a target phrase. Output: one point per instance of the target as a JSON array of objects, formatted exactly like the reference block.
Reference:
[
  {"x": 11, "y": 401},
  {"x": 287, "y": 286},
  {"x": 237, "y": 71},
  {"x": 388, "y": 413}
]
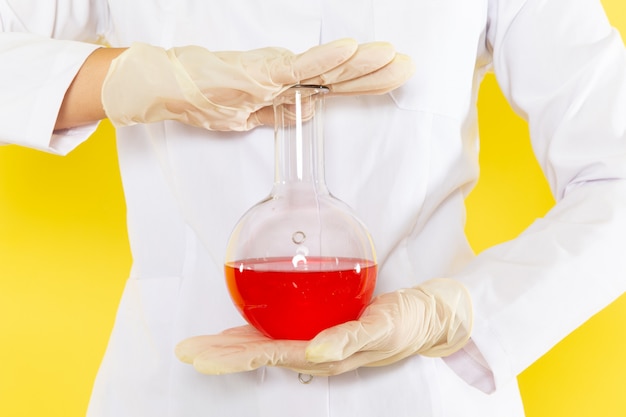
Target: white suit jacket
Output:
[{"x": 404, "y": 161}]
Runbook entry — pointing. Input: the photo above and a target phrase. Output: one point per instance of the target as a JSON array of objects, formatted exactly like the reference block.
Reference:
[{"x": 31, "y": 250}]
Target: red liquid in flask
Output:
[{"x": 285, "y": 299}]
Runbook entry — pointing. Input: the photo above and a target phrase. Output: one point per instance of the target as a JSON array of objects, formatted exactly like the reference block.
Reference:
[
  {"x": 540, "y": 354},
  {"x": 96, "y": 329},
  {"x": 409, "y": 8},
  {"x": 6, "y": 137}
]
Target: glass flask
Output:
[{"x": 300, "y": 261}]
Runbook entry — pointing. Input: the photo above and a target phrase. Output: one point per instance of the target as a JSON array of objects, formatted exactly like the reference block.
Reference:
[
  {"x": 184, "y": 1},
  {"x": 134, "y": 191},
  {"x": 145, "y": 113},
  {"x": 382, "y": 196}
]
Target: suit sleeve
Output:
[
  {"x": 42, "y": 47},
  {"x": 563, "y": 68}
]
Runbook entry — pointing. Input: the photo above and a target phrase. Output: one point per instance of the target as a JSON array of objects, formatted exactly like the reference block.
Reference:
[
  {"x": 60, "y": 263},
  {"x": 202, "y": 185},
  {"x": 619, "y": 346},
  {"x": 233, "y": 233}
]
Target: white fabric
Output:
[{"x": 416, "y": 150}]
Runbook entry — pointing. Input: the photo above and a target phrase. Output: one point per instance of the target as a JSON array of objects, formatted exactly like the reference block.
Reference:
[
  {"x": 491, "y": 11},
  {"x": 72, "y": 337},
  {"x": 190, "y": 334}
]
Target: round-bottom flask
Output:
[{"x": 300, "y": 261}]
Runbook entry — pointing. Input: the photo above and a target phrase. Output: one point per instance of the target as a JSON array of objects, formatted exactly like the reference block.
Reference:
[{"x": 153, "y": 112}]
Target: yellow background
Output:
[{"x": 64, "y": 258}]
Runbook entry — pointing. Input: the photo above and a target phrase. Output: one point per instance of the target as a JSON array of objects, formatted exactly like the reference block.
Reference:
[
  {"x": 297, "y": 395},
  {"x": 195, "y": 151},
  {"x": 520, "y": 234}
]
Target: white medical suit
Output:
[{"x": 405, "y": 161}]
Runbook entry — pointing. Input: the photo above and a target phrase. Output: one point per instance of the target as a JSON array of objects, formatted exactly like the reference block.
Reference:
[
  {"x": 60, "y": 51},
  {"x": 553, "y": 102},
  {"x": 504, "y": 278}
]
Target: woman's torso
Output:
[{"x": 403, "y": 161}]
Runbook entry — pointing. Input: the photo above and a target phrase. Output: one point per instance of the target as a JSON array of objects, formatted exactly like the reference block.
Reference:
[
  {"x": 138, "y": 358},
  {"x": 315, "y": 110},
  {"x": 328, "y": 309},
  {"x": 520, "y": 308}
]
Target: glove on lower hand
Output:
[
  {"x": 432, "y": 319},
  {"x": 224, "y": 90}
]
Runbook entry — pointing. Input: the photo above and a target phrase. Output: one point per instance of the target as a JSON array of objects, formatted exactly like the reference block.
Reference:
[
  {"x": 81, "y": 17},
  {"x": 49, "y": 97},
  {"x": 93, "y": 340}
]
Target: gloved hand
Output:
[
  {"x": 432, "y": 319},
  {"x": 224, "y": 90}
]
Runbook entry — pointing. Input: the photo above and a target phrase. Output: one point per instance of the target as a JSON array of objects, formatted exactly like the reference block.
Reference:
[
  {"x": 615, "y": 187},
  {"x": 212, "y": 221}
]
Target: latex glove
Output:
[
  {"x": 224, "y": 90},
  {"x": 432, "y": 319}
]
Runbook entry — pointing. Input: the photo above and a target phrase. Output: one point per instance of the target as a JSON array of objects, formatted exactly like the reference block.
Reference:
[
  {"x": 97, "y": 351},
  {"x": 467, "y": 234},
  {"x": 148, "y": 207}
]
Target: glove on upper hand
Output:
[
  {"x": 224, "y": 90},
  {"x": 432, "y": 319}
]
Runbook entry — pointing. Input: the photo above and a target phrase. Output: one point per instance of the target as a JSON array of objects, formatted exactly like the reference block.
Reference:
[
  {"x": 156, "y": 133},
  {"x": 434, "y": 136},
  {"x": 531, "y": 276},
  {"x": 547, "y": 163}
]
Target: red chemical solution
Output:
[{"x": 287, "y": 298}]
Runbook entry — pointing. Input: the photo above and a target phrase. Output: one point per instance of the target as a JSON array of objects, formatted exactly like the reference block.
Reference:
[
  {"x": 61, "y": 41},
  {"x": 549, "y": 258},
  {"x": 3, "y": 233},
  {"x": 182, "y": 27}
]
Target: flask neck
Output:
[{"x": 299, "y": 141}]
